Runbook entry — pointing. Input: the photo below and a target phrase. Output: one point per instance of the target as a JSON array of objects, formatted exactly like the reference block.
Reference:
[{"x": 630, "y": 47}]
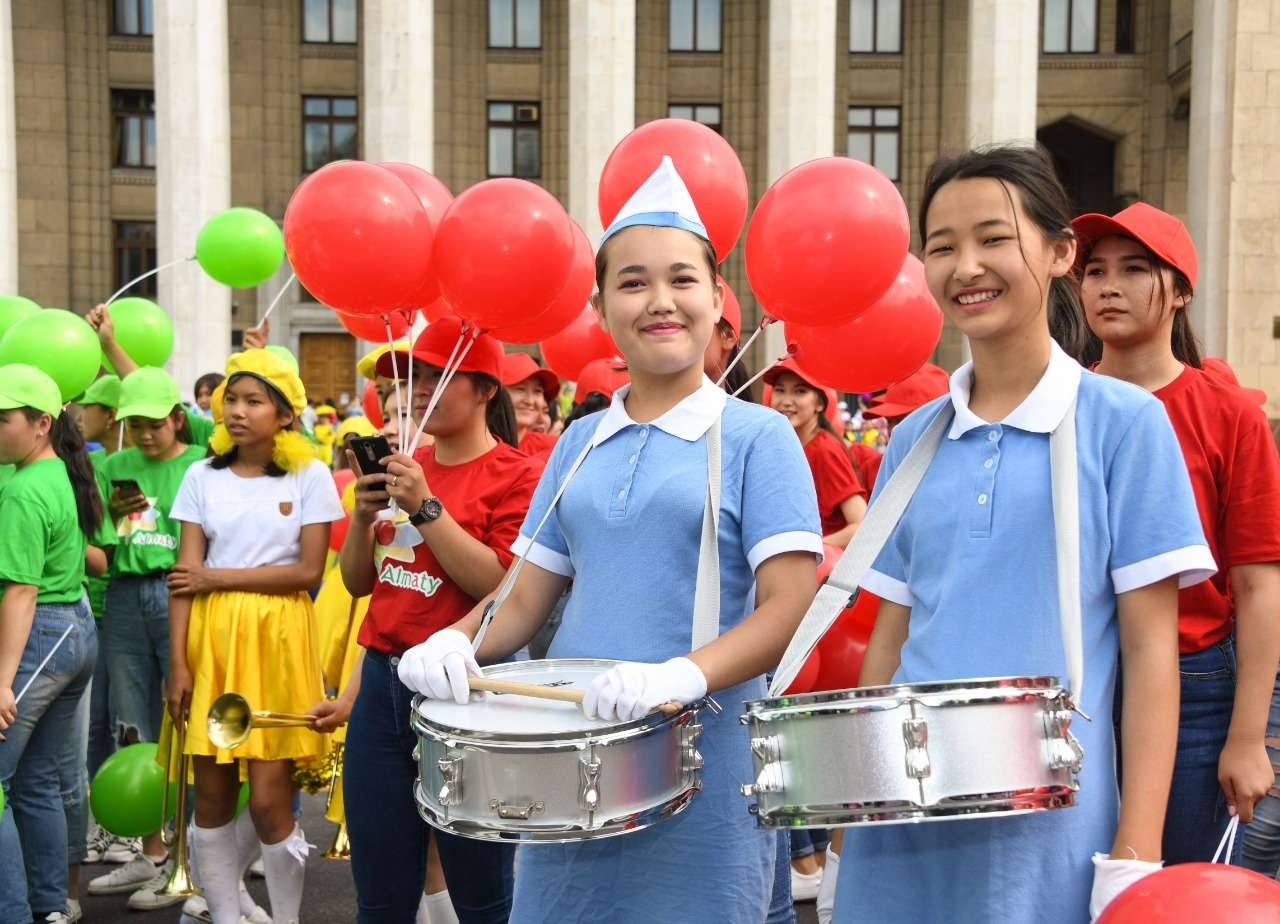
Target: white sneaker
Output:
[
  {"x": 256, "y": 869},
  {"x": 122, "y": 849},
  {"x": 195, "y": 911},
  {"x": 55, "y": 917},
  {"x": 72, "y": 912},
  {"x": 804, "y": 886},
  {"x": 96, "y": 843},
  {"x": 151, "y": 895},
  {"x": 127, "y": 878}
]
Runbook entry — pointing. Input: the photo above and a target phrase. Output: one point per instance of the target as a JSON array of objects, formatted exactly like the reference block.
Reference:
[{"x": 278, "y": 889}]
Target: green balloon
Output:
[
  {"x": 143, "y": 331},
  {"x": 1, "y": 800},
  {"x": 13, "y": 308},
  {"x": 60, "y": 344},
  {"x": 283, "y": 353},
  {"x": 127, "y": 792},
  {"x": 243, "y": 798},
  {"x": 240, "y": 247}
]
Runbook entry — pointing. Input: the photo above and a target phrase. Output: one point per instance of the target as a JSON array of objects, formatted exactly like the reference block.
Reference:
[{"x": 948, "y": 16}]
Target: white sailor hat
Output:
[{"x": 662, "y": 201}]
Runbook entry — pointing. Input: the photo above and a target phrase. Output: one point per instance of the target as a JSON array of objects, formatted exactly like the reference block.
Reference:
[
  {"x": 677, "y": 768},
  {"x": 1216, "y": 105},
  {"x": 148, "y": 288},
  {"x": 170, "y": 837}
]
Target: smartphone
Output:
[
  {"x": 126, "y": 486},
  {"x": 369, "y": 452}
]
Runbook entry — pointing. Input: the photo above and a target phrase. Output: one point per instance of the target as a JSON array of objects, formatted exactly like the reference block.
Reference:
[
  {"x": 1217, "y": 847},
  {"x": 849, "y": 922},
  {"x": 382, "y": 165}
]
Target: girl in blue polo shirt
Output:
[
  {"x": 627, "y": 531},
  {"x": 969, "y": 577}
]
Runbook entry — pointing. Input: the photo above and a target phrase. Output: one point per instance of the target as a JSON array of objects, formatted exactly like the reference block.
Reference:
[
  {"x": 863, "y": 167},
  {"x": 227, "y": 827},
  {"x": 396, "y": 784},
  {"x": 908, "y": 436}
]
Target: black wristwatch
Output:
[{"x": 429, "y": 511}]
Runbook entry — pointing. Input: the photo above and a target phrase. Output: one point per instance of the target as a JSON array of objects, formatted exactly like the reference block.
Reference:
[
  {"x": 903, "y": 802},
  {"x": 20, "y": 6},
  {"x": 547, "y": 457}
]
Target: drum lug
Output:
[
  {"x": 417, "y": 752},
  {"x": 690, "y": 757},
  {"x": 767, "y": 748},
  {"x": 1065, "y": 752},
  {"x": 520, "y": 812},
  {"x": 589, "y": 785},
  {"x": 768, "y": 780},
  {"x": 915, "y": 733},
  {"x": 451, "y": 791}
]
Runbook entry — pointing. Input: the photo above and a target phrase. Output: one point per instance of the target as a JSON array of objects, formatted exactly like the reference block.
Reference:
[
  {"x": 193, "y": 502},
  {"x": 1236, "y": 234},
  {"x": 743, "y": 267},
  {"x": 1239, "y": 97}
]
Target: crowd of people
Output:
[{"x": 156, "y": 554}]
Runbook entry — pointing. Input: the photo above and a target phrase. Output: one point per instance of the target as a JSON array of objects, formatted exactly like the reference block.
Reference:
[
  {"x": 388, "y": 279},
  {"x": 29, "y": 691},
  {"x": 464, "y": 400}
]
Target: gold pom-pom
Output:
[
  {"x": 293, "y": 452},
  {"x": 220, "y": 442}
]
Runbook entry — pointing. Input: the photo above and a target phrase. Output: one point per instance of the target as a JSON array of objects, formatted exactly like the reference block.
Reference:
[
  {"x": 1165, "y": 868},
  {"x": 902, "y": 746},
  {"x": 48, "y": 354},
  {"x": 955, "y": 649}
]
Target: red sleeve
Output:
[
  {"x": 1251, "y": 500},
  {"x": 509, "y": 513},
  {"x": 833, "y": 475}
]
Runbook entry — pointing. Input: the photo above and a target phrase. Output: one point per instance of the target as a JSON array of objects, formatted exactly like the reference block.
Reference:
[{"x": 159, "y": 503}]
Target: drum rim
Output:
[
  {"x": 988, "y": 805},
  {"x": 903, "y": 691}
]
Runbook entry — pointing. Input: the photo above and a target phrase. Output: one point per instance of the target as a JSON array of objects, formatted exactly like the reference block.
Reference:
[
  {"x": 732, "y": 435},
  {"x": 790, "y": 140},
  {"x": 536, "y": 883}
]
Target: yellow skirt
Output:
[{"x": 263, "y": 647}]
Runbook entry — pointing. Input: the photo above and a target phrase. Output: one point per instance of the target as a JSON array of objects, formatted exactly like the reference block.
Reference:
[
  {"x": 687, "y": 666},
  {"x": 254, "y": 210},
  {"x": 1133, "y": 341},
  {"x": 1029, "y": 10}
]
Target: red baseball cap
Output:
[
  {"x": 790, "y": 365},
  {"x": 731, "y": 311},
  {"x": 435, "y": 345},
  {"x": 517, "y": 367},
  {"x": 600, "y": 375},
  {"x": 913, "y": 392},
  {"x": 1161, "y": 233},
  {"x": 1220, "y": 370}
]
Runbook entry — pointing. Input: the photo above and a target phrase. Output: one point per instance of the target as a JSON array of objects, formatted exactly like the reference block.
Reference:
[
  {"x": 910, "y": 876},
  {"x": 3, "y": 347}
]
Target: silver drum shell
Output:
[
  {"x": 912, "y": 752},
  {"x": 534, "y": 788}
]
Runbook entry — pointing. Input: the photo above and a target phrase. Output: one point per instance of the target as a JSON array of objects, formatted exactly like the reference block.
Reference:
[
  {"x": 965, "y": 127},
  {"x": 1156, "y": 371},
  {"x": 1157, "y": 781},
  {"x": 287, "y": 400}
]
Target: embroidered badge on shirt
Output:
[{"x": 286, "y": 508}]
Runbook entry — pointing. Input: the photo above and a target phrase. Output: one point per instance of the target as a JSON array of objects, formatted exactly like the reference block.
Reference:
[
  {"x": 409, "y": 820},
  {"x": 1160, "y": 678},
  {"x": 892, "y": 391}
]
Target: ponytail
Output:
[
  {"x": 1185, "y": 344},
  {"x": 1066, "y": 317},
  {"x": 68, "y": 445},
  {"x": 499, "y": 413}
]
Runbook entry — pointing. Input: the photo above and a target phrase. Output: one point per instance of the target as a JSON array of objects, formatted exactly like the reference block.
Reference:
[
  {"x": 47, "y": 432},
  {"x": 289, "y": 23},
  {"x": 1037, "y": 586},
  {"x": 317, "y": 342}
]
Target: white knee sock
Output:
[
  {"x": 827, "y": 891},
  {"x": 218, "y": 863},
  {"x": 436, "y": 909},
  {"x": 249, "y": 848},
  {"x": 285, "y": 866}
]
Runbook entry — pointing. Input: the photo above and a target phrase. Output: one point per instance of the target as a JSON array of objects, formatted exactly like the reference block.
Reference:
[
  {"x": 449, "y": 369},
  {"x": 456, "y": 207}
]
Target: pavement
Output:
[{"x": 329, "y": 897}]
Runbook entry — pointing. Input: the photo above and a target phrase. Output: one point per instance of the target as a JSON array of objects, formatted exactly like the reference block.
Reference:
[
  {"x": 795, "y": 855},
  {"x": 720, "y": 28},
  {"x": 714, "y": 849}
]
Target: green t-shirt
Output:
[
  {"x": 6, "y": 472},
  {"x": 147, "y": 541},
  {"x": 41, "y": 542},
  {"x": 201, "y": 427},
  {"x": 104, "y": 538}
]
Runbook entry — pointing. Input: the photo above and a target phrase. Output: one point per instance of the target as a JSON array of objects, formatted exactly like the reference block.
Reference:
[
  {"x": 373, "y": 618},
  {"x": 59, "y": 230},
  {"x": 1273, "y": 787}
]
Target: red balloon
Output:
[
  {"x": 373, "y": 327},
  {"x": 732, "y": 310},
  {"x": 878, "y": 348},
  {"x": 502, "y": 252},
  {"x": 1207, "y": 893},
  {"x": 705, "y": 161},
  {"x": 830, "y": 555},
  {"x": 861, "y": 617},
  {"x": 844, "y": 646},
  {"x": 825, "y": 241},
  {"x": 578, "y": 344},
  {"x": 358, "y": 238},
  {"x": 372, "y": 405},
  {"x": 438, "y": 309},
  {"x": 343, "y": 477},
  {"x": 808, "y": 675},
  {"x": 566, "y": 306},
  {"x": 338, "y": 533},
  {"x": 435, "y": 198}
]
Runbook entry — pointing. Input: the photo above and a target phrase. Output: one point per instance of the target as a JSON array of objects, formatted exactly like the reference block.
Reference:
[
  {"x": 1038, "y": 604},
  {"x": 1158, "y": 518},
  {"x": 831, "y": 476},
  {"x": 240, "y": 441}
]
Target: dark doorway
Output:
[{"x": 1085, "y": 161}]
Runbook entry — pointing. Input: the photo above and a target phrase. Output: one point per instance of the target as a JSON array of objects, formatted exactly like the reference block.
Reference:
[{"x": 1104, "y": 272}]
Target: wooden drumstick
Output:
[{"x": 538, "y": 691}]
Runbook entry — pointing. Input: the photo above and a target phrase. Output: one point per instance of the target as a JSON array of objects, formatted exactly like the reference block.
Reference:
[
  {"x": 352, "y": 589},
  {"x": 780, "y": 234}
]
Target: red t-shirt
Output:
[
  {"x": 412, "y": 595},
  {"x": 538, "y": 445},
  {"x": 1235, "y": 475},
  {"x": 866, "y": 463},
  {"x": 834, "y": 479}
]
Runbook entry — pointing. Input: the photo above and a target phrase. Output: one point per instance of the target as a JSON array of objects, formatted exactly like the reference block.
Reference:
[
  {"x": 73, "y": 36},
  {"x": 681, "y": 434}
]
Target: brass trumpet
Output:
[
  {"x": 340, "y": 849},
  {"x": 231, "y": 720},
  {"x": 179, "y": 883}
]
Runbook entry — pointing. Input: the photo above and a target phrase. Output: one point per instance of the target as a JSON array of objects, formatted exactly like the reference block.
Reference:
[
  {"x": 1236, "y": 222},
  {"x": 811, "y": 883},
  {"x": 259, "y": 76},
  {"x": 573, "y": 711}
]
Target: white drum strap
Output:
[
  {"x": 706, "y": 590},
  {"x": 882, "y": 518}
]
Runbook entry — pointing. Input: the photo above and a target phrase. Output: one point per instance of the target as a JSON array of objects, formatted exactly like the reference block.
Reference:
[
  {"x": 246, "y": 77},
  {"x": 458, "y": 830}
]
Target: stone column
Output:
[
  {"x": 802, "y": 99},
  {"x": 398, "y": 121},
  {"x": 193, "y": 176},
  {"x": 8, "y": 158},
  {"x": 602, "y": 97},
  {"x": 1004, "y": 60}
]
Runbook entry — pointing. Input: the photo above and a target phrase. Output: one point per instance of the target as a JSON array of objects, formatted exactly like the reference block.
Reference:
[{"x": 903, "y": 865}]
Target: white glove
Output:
[
  {"x": 439, "y": 667},
  {"x": 1111, "y": 877},
  {"x": 631, "y": 691}
]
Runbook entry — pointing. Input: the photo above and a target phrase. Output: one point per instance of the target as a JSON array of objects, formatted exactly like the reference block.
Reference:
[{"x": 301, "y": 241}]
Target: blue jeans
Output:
[
  {"x": 807, "y": 842},
  {"x": 1197, "y": 814},
  {"x": 135, "y": 631},
  {"x": 102, "y": 741},
  {"x": 388, "y": 839},
  {"x": 781, "y": 908},
  {"x": 42, "y": 765},
  {"x": 1262, "y": 836}
]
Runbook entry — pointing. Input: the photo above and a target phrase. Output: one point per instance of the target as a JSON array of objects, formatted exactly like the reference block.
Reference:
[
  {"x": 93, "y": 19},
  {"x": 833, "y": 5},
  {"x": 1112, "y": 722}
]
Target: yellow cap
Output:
[
  {"x": 273, "y": 371},
  {"x": 355, "y": 426},
  {"x": 369, "y": 362}
]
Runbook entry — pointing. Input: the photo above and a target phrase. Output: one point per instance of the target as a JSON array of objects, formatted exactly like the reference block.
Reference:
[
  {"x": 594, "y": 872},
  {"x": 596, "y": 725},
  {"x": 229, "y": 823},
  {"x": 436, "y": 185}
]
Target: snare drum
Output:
[
  {"x": 912, "y": 752},
  {"x": 539, "y": 771}
]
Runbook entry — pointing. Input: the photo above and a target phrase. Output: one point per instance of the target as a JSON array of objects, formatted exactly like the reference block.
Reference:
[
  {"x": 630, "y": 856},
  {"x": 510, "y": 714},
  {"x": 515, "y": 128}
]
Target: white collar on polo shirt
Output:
[
  {"x": 1040, "y": 412},
  {"x": 688, "y": 420}
]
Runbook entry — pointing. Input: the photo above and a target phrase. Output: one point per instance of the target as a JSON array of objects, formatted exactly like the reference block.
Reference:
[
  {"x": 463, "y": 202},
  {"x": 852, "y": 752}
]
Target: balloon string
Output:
[
  {"x": 279, "y": 295},
  {"x": 36, "y": 673},
  {"x": 401, "y": 427},
  {"x": 149, "y": 273},
  {"x": 759, "y": 375},
  {"x": 408, "y": 414},
  {"x": 742, "y": 351},
  {"x": 450, "y": 371},
  {"x": 120, "y": 437}
]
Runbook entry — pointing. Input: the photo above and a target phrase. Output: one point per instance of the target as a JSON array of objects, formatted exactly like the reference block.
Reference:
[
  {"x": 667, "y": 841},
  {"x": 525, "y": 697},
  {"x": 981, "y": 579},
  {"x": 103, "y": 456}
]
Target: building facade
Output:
[{"x": 130, "y": 122}]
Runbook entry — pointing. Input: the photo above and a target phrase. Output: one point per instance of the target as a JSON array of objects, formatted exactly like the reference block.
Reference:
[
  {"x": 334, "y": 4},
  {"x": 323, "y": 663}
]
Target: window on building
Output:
[
  {"x": 1070, "y": 27},
  {"x": 875, "y": 136},
  {"x": 515, "y": 23},
  {"x": 135, "y": 248},
  {"x": 330, "y": 22},
  {"x": 133, "y": 113},
  {"x": 328, "y": 130},
  {"x": 1125, "y": 43},
  {"x": 875, "y": 26},
  {"x": 695, "y": 25},
  {"x": 131, "y": 17},
  {"x": 706, "y": 113},
  {"x": 515, "y": 141}
]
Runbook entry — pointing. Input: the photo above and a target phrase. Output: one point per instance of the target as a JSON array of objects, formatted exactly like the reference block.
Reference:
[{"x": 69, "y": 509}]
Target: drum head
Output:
[{"x": 515, "y": 717}]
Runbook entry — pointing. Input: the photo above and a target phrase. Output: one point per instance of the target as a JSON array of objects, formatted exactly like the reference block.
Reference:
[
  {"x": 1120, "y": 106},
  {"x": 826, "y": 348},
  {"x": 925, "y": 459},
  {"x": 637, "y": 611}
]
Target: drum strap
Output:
[
  {"x": 706, "y": 590},
  {"x": 883, "y": 516}
]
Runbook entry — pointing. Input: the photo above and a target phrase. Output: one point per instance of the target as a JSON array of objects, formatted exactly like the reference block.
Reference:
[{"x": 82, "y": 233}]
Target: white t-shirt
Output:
[{"x": 251, "y": 522}]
